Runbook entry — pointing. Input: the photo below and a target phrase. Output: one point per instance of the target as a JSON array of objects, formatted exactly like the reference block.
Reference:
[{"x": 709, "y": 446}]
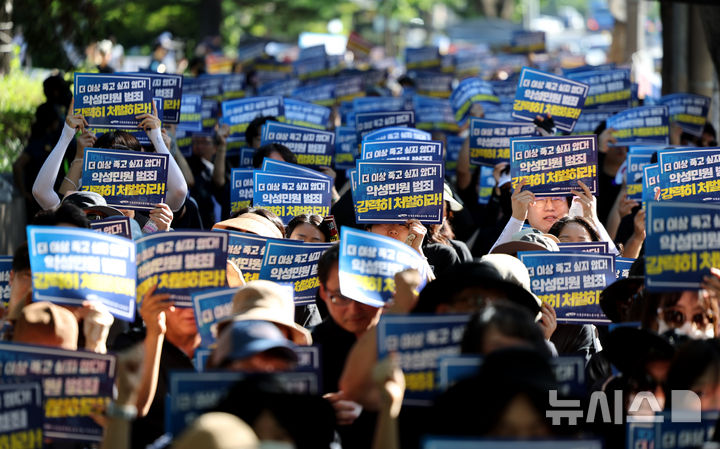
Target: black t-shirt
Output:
[
  {"x": 440, "y": 257},
  {"x": 205, "y": 190}
]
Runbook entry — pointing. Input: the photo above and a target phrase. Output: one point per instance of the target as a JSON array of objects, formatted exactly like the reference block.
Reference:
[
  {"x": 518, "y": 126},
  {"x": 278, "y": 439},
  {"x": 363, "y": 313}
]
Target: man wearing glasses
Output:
[{"x": 348, "y": 320}]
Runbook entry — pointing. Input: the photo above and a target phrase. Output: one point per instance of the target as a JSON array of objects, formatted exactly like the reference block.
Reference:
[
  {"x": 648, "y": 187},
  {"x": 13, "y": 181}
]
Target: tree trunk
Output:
[{"x": 6, "y": 27}]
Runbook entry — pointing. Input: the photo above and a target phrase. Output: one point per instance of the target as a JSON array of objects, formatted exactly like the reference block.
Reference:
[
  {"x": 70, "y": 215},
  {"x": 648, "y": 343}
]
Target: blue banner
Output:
[
  {"x": 190, "y": 113},
  {"x": 567, "y": 71},
  {"x": 422, "y": 58},
  {"x": 233, "y": 86},
  {"x": 590, "y": 119},
  {"x": 311, "y": 67},
  {"x": 402, "y": 150},
  {"x": 169, "y": 87},
  {"x": 505, "y": 90},
  {"x": 687, "y": 110},
  {"x": 690, "y": 175},
  {"x": 239, "y": 113},
  {"x": 346, "y": 147},
  {"x": 433, "y": 84},
  {"x": 378, "y": 104},
  {"x": 286, "y": 168},
  {"x": 306, "y": 114},
  {"x": 207, "y": 86},
  {"x": 313, "y": 147},
  {"x": 419, "y": 341},
  {"x": 453, "y": 146},
  {"x": 622, "y": 267},
  {"x": 349, "y": 88},
  {"x": 210, "y": 308},
  {"x": 486, "y": 183},
  {"x": 75, "y": 384},
  {"x": 5, "y": 267},
  {"x": 662, "y": 431},
  {"x": 571, "y": 283},
  {"x": 209, "y": 112},
  {"x": 434, "y": 114},
  {"x": 681, "y": 244},
  {"x": 196, "y": 393},
  {"x": 540, "y": 93},
  {"x": 371, "y": 121},
  {"x": 552, "y": 166},
  {"x": 396, "y": 133},
  {"x": 112, "y": 101},
  {"x": 21, "y": 415},
  {"x": 584, "y": 247},
  {"x": 180, "y": 263},
  {"x": 368, "y": 263},
  {"x": 247, "y": 252},
  {"x": 72, "y": 265},
  {"x": 294, "y": 262},
  {"x": 637, "y": 158},
  {"x": 651, "y": 180},
  {"x": 524, "y": 41},
  {"x": 317, "y": 93},
  {"x": 241, "y": 188},
  {"x": 468, "y": 92},
  {"x": 646, "y": 125},
  {"x": 396, "y": 191},
  {"x": 608, "y": 88},
  {"x": 126, "y": 179},
  {"x": 288, "y": 195},
  {"x": 281, "y": 88},
  {"x": 501, "y": 112},
  {"x": 490, "y": 140},
  {"x": 116, "y": 225}
]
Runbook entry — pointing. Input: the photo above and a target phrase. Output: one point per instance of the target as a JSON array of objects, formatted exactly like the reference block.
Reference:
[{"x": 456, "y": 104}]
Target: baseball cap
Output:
[
  {"x": 244, "y": 339},
  {"x": 93, "y": 204}
]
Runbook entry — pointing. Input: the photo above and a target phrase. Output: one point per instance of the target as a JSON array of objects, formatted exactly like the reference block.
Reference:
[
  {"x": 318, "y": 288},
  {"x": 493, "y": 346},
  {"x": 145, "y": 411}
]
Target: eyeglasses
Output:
[
  {"x": 339, "y": 300},
  {"x": 676, "y": 318}
]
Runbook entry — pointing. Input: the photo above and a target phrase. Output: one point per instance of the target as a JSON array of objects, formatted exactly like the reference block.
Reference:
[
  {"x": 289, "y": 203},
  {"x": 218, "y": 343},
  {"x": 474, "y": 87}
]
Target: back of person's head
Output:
[
  {"x": 327, "y": 261},
  {"x": 118, "y": 140},
  {"x": 66, "y": 214},
  {"x": 217, "y": 430},
  {"x": 266, "y": 150},
  {"x": 57, "y": 90},
  {"x": 500, "y": 325},
  {"x": 46, "y": 324},
  {"x": 313, "y": 220},
  {"x": 46, "y": 119},
  {"x": 236, "y": 221},
  {"x": 21, "y": 258},
  {"x": 254, "y": 128}
]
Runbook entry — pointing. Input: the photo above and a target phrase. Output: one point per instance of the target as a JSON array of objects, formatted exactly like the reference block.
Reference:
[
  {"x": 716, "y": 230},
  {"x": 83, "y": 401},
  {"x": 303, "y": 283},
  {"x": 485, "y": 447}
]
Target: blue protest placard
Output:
[
  {"x": 590, "y": 119},
  {"x": 210, "y": 308},
  {"x": 74, "y": 383},
  {"x": 116, "y": 225},
  {"x": 419, "y": 341},
  {"x": 180, "y": 263},
  {"x": 346, "y": 147},
  {"x": 570, "y": 375},
  {"x": 501, "y": 112},
  {"x": 112, "y": 101},
  {"x": 422, "y": 58},
  {"x": 637, "y": 158},
  {"x": 190, "y": 113},
  {"x": 545, "y": 94},
  {"x": 368, "y": 263},
  {"x": 505, "y": 90},
  {"x": 241, "y": 188},
  {"x": 584, "y": 247},
  {"x": 525, "y": 41},
  {"x": 21, "y": 415},
  {"x": 468, "y": 61},
  {"x": 313, "y": 147},
  {"x": 490, "y": 139},
  {"x": 126, "y": 179},
  {"x": 453, "y": 145},
  {"x": 5, "y": 267},
  {"x": 378, "y": 104},
  {"x": 469, "y": 92},
  {"x": 71, "y": 265},
  {"x": 239, "y": 113},
  {"x": 306, "y": 114},
  {"x": 367, "y": 122},
  {"x": 608, "y": 88},
  {"x": 454, "y": 368},
  {"x": 571, "y": 282},
  {"x": 289, "y": 195},
  {"x": 349, "y": 88},
  {"x": 641, "y": 126},
  {"x": 396, "y": 191},
  {"x": 433, "y": 84},
  {"x": 664, "y": 430},
  {"x": 207, "y": 86},
  {"x": 281, "y": 88},
  {"x": 651, "y": 179},
  {"x": 275, "y": 166},
  {"x": 434, "y": 114},
  {"x": 396, "y": 133},
  {"x": 486, "y": 183},
  {"x": 247, "y": 252},
  {"x": 443, "y": 442},
  {"x": 233, "y": 86},
  {"x": 552, "y": 166},
  {"x": 169, "y": 87},
  {"x": 681, "y": 244},
  {"x": 308, "y": 68},
  {"x": 687, "y": 110},
  {"x": 294, "y": 262},
  {"x": 196, "y": 393},
  {"x": 317, "y": 93},
  {"x": 209, "y": 112},
  {"x": 690, "y": 175},
  {"x": 622, "y": 267},
  {"x": 402, "y": 150}
]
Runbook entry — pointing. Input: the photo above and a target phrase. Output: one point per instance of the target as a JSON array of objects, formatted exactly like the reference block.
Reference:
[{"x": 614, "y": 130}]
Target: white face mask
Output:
[{"x": 688, "y": 330}]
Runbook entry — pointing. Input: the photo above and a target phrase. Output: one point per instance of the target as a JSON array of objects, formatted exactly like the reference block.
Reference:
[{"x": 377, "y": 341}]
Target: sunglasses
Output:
[{"x": 676, "y": 318}]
